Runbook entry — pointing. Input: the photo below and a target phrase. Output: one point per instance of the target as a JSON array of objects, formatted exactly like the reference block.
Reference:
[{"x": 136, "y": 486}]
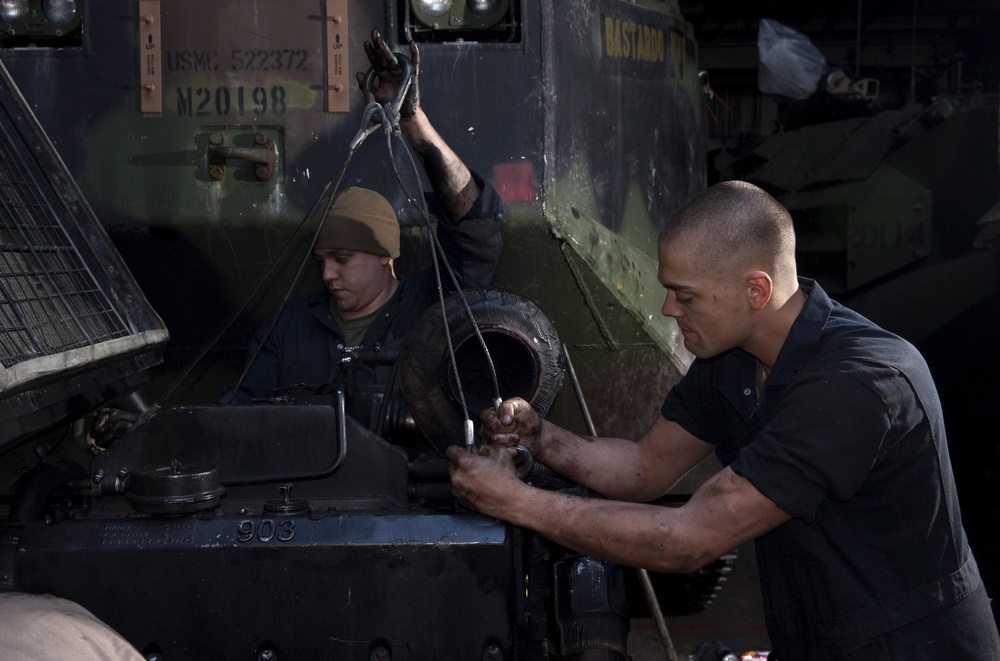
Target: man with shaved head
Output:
[{"x": 833, "y": 447}]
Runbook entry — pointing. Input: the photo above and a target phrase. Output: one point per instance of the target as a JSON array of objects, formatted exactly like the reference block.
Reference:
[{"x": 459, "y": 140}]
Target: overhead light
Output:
[
  {"x": 39, "y": 19},
  {"x": 13, "y": 10},
  {"x": 459, "y": 15},
  {"x": 59, "y": 12},
  {"x": 487, "y": 8},
  {"x": 433, "y": 7}
]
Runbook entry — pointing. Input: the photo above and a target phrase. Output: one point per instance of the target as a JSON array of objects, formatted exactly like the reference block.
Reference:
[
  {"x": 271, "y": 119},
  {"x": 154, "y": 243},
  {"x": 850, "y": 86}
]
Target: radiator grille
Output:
[
  {"x": 50, "y": 301},
  {"x": 76, "y": 331}
]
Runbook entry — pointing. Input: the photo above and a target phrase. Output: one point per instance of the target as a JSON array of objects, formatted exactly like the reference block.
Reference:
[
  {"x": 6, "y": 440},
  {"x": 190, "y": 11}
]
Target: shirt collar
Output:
[{"x": 802, "y": 343}]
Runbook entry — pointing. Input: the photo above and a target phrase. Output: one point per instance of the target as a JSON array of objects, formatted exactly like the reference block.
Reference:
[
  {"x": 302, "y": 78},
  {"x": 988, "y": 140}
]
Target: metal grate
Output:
[{"x": 50, "y": 301}]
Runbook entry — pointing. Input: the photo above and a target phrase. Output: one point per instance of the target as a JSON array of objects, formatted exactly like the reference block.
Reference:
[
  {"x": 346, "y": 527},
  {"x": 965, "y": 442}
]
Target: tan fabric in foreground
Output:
[{"x": 41, "y": 627}]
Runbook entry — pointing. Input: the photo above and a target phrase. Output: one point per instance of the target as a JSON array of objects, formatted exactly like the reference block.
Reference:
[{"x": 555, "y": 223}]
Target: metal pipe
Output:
[
  {"x": 647, "y": 584},
  {"x": 913, "y": 55},
  {"x": 857, "y": 46},
  {"x": 579, "y": 392},
  {"x": 341, "y": 433},
  {"x": 654, "y": 608}
]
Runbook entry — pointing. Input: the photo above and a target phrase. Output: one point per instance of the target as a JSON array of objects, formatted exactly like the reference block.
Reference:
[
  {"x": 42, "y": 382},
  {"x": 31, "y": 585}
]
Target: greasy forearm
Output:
[
  {"x": 725, "y": 512},
  {"x": 614, "y": 467},
  {"x": 451, "y": 180},
  {"x": 648, "y": 536}
]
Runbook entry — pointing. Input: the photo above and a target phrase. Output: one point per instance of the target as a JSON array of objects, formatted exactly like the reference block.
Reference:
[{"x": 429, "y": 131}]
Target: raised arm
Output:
[{"x": 451, "y": 180}]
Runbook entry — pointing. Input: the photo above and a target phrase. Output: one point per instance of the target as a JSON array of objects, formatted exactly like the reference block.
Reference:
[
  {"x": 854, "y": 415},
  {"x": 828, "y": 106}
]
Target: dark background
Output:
[{"x": 919, "y": 50}]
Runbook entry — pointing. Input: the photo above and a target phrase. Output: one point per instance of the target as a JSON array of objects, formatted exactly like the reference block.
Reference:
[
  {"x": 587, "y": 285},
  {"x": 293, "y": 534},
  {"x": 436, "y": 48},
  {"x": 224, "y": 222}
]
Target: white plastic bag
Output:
[{"x": 790, "y": 65}]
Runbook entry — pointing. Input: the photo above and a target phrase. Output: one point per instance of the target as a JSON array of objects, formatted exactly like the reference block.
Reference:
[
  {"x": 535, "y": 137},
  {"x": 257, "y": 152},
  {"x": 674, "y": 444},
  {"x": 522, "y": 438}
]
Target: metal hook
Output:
[
  {"x": 395, "y": 104},
  {"x": 368, "y": 124},
  {"x": 524, "y": 462},
  {"x": 386, "y": 114}
]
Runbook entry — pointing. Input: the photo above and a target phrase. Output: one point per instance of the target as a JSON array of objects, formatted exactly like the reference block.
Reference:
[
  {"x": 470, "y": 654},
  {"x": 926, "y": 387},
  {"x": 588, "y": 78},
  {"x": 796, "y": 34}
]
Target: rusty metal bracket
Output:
[{"x": 263, "y": 156}]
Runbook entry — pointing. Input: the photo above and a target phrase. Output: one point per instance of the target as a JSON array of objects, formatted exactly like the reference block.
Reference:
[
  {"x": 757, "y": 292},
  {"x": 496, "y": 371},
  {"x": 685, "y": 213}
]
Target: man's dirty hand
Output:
[
  {"x": 484, "y": 481},
  {"x": 513, "y": 422},
  {"x": 390, "y": 74}
]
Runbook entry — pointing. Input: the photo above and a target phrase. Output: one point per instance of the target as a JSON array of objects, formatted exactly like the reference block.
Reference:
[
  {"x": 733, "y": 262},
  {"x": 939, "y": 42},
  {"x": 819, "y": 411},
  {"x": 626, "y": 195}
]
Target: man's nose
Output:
[
  {"x": 670, "y": 307},
  {"x": 330, "y": 270}
]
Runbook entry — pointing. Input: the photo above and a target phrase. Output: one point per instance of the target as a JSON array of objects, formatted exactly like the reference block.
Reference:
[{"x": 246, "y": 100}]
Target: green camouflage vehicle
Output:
[{"x": 163, "y": 158}]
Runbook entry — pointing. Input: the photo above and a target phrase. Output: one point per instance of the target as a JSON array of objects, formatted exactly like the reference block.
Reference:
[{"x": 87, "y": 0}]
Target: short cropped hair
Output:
[{"x": 735, "y": 224}]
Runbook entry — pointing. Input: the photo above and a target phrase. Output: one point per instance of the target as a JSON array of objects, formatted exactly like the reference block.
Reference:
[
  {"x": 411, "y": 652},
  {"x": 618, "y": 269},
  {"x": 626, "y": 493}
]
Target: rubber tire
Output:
[{"x": 524, "y": 347}]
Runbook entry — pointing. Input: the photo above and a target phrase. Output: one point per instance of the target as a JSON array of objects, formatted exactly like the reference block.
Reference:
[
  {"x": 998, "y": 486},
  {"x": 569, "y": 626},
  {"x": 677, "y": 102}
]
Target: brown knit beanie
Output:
[{"x": 360, "y": 219}]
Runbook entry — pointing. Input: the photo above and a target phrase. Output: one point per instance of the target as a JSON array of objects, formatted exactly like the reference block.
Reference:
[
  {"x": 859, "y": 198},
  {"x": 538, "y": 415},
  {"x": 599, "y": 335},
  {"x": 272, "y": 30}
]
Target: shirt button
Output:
[{"x": 746, "y": 391}]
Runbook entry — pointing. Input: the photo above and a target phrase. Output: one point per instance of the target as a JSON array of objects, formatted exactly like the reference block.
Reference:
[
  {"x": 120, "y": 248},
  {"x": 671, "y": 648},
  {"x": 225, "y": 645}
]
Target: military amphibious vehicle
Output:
[{"x": 163, "y": 160}]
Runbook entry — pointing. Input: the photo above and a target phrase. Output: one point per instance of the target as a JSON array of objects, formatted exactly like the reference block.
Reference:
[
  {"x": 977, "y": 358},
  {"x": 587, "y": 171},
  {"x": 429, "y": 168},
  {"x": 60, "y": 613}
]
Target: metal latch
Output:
[{"x": 263, "y": 156}]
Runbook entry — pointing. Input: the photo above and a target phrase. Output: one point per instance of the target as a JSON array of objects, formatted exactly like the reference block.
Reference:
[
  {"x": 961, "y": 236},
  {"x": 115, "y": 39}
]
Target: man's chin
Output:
[
  {"x": 698, "y": 350},
  {"x": 343, "y": 309}
]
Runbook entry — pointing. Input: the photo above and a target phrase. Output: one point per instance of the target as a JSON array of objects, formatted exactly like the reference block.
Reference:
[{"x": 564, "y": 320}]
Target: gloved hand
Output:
[{"x": 389, "y": 73}]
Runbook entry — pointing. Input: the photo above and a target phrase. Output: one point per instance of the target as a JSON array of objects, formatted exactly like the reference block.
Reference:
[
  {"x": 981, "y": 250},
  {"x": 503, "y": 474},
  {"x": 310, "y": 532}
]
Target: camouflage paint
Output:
[{"x": 589, "y": 124}]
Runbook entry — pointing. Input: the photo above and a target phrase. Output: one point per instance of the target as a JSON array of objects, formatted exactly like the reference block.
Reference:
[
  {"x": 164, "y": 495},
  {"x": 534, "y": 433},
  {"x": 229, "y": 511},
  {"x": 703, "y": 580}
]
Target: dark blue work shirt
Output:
[
  {"x": 304, "y": 344},
  {"x": 847, "y": 438}
]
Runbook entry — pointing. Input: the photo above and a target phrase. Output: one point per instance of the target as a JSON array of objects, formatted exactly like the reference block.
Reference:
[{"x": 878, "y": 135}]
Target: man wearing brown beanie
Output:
[{"x": 345, "y": 336}]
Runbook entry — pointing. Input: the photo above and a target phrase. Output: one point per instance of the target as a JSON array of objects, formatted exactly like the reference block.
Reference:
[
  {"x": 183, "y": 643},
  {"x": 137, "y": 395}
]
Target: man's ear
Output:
[{"x": 759, "y": 289}]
